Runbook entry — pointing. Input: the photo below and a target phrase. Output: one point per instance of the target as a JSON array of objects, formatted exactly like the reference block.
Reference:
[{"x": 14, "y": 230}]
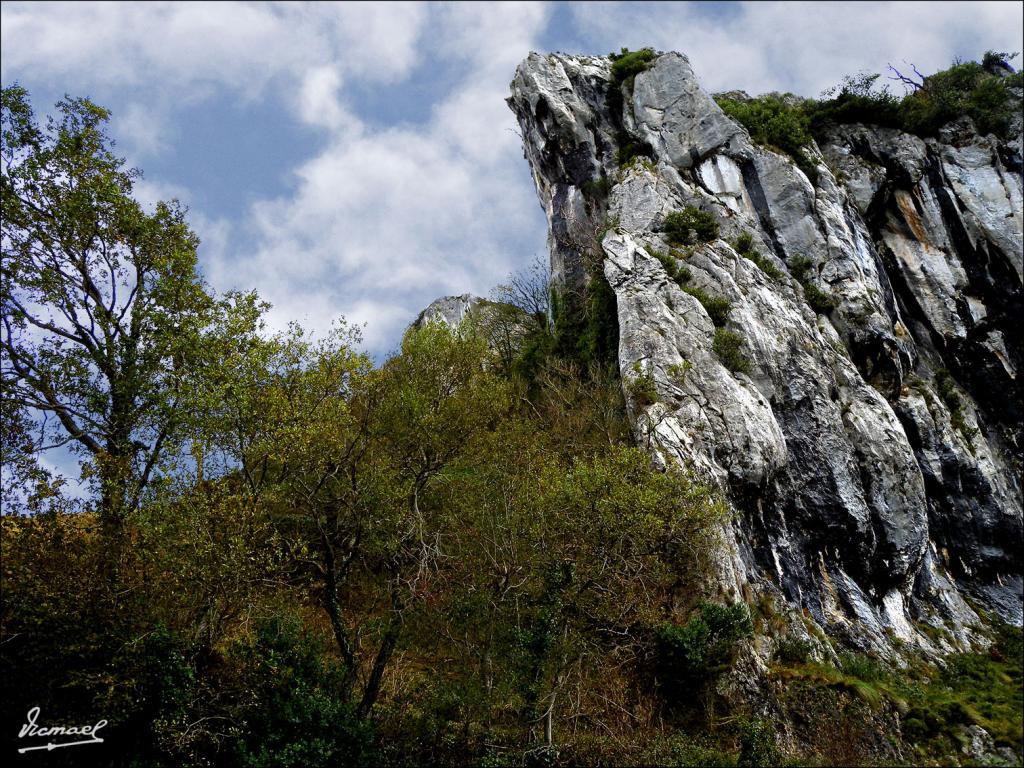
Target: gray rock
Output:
[
  {"x": 449, "y": 310},
  {"x": 677, "y": 118},
  {"x": 869, "y": 452}
]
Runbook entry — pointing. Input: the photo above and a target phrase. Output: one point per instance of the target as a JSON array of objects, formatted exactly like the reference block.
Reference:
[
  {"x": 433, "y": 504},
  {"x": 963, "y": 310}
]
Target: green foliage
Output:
[
  {"x": 936, "y": 703},
  {"x": 729, "y": 348},
  {"x": 599, "y": 187},
  {"x": 627, "y": 64},
  {"x": 856, "y": 100},
  {"x": 695, "y": 752},
  {"x": 819, "y": 301},
  {"x": 630, "y": 149},
  {"x": 105, "y": 316},
  {"x": 676, "y": 272},
  {"x": 610, "y": 223},
  {"x": 689, "y": 226},
  {"x": 641, "y": 388},
  {"x": 289, "y": 703},
  {"x": 678, "y": 371},
  {"x": 792, "y": 650},
  {"x": 997, "y": 59},
  {"x": 586, "y": 332},
  {"x": 757, "y": 744},
  {"x": 977, "y": 90},
  {"x": 744, "y": 246},
  {"x": 861, "y": 667},
  {"x": 599, "y": 341},
  {"x": 625, "y": 67},
  {"x": 771, "y": 122},
  {"x": 691, "y": 654},
  {"x": 454, "y": 557},
  {"x": 946, "y": 388},
  {"x": 717, "y": 307},
  {"x": 963, "y": 89}
]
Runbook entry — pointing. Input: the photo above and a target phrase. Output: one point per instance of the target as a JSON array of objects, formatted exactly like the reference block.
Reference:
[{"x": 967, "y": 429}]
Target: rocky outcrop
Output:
[
  {"x": 449, "y": 310},
  {"x": 871, "y": 450}
]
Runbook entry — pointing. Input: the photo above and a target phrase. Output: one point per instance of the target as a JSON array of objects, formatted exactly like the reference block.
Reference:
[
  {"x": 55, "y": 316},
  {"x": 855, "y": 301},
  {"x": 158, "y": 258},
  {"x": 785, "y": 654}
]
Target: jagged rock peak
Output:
[{"x": 841, "y": 356}]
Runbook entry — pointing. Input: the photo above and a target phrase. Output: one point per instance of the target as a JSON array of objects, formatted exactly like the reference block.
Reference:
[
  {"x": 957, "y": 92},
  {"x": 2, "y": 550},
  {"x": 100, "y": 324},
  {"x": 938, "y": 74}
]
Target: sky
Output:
[{"x": 359, "y": 160}]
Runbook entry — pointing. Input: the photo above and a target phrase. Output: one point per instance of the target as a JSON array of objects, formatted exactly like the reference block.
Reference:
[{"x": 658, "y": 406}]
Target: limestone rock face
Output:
[
  {"x": 871, "y": 450},
  {"x": 450, "y": 310}
]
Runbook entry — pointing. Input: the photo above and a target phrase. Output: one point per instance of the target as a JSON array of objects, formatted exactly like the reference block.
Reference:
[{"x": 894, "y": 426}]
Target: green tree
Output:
[{"x": 102, "y": 306}]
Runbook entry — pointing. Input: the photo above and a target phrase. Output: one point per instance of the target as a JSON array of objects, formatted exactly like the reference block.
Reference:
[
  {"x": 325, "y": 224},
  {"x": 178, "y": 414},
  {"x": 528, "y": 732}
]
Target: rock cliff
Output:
[{"x": 870, "y": 444}]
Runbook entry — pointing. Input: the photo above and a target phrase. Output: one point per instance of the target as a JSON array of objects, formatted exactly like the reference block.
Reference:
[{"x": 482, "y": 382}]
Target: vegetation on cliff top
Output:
[{"x": 983, "y": 91}]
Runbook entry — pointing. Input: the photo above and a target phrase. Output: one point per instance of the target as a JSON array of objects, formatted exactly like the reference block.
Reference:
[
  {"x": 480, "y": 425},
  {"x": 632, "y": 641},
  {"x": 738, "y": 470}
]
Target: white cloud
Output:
[
  {"x": 181, "y": 46},
  {"x": 383, "y": 222},
  {"x": 378, "y": 222},
  {"x": 319, "y": 99},
  {"x": 142, "y": 129}
]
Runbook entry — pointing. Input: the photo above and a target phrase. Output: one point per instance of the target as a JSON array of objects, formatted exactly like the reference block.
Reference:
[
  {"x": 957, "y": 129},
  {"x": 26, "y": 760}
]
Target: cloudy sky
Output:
[{"x": 358, "y": 159}]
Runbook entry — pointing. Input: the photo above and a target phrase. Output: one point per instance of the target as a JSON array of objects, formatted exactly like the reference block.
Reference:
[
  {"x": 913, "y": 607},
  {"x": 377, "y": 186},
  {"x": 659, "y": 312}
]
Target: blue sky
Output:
[{"x": 358, "y": 159}]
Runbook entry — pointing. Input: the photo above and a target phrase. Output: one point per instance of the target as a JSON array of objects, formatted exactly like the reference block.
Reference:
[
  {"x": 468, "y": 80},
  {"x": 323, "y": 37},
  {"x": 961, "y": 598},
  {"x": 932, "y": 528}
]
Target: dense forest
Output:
[{"x": 288, "y": 555}]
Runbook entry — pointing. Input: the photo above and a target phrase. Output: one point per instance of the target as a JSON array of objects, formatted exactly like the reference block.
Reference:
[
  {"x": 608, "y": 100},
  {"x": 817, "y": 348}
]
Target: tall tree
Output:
[{"x": 102, "y": 306}]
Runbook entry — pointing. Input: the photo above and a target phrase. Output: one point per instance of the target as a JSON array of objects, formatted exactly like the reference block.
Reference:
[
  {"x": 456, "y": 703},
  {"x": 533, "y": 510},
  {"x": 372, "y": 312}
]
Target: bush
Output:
[
  {"x": 744, "y": 246},
  {"x": 728, "y": 346},
  {"x": 819, "y": 301},
  {"x": 642, "y": 388},
  {"x": 772, "y": 123},
  {"x": 978, "y": 90},
  {"x": 290, "y": 703},
  {"x": 599, "y": 187},
  {"x": 679, "y": 275},
  {"x": 691, "y": 654},
  {"x": 963, "y": 89},
  {"x": 861, "y": 667},
  {"x": 717, "y": 307},
  {"x": 625, "y": 67},
  {"x": 585, "y": 330},
  {"x": 757, "y": 745},
  {"x": 792, "y": 650},
  {"x": 690, "y": 226},
  {"x": 946, "y": 387},
  {"x": 855, "y": 101},
  {"x": 628, "y": 64}
]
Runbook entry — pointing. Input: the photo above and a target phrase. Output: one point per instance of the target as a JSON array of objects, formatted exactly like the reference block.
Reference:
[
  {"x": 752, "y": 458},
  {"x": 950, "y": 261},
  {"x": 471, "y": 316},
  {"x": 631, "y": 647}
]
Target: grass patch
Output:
[{"x": 935, "y": 703}]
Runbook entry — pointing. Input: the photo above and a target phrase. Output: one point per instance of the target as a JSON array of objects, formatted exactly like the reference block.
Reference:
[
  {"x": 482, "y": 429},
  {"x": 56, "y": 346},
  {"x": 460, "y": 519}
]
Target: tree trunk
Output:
[{"x": 387, "y": 647}]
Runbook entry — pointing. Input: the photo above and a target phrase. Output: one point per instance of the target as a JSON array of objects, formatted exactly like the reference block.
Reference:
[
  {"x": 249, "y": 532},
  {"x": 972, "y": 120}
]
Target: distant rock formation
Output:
[{"x": 450, "y": 310}]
